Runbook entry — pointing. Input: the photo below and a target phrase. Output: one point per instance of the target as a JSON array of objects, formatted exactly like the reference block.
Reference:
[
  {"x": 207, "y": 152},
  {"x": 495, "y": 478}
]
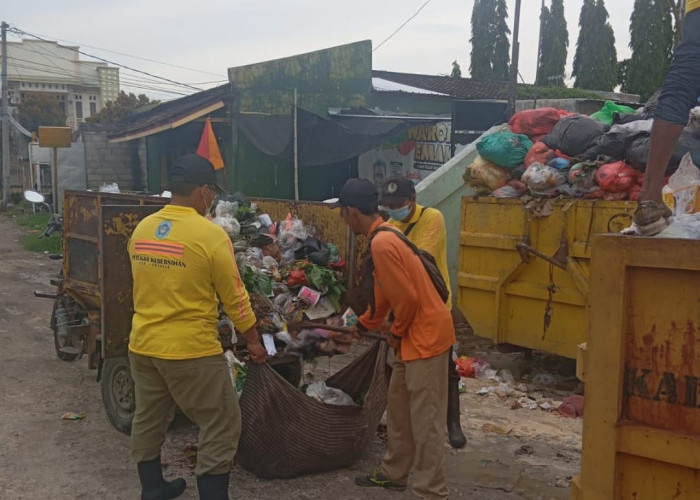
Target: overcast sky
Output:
[{"x": 211, "y": 35}]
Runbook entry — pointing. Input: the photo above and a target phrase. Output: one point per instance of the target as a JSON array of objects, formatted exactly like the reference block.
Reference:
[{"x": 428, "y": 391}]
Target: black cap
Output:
[
  {"x": 396, "y": 190},
  {"x": 358, "y": 193},
  {"x": 194, "y": 169}
]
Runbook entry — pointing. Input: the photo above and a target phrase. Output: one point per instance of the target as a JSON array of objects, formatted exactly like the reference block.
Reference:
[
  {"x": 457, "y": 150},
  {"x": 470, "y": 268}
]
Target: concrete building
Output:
[{"x": 81, "y": 88}]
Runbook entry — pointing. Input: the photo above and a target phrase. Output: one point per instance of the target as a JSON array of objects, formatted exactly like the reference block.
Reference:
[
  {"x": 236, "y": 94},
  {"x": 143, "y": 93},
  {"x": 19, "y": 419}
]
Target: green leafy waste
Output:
[
  {"x": 255, "y": 281},
  {"x": 326, "y": 281}
]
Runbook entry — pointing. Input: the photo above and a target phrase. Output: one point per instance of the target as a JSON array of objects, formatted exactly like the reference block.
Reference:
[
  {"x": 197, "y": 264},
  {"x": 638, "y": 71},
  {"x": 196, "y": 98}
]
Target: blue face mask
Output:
[{"x": 400, "y": 213}]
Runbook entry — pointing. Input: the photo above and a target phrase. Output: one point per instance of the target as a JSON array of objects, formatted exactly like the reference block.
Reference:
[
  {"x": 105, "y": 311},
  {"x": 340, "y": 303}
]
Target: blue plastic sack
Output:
[
  {"x": 559, "y": 163},
  {"x": 504, "y": 149}
]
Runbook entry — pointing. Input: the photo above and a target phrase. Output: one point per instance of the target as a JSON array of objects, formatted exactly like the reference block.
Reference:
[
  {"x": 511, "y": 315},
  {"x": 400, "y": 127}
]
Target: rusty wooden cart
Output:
[{"x": 95, "y": 294}]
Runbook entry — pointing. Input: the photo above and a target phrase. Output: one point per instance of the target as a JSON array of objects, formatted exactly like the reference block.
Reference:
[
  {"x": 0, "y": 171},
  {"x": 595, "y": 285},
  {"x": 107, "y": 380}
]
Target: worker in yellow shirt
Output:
[
  {"x": 182, "y": 266},
  {"x": 678, "y": 96},
  {"x": 425, "y": 228}
]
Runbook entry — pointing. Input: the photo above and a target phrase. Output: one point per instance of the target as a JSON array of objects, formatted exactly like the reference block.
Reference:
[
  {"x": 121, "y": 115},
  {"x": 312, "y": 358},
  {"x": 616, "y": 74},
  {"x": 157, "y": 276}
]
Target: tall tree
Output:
[
  {"x": 490, "y": 56},
  {"x": 651, "y": 41},
  {"x": 118, "y": 110},
  {"x": 456, "y": 70},
  {"x": 39, "y": 110},
  {"x": 595, "y": 62},
  {"x": 553, "y": 45}
]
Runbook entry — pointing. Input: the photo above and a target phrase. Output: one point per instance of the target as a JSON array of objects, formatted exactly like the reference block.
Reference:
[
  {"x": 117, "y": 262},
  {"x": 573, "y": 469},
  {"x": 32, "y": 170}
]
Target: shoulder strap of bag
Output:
[{"x": 412, "y": 224}]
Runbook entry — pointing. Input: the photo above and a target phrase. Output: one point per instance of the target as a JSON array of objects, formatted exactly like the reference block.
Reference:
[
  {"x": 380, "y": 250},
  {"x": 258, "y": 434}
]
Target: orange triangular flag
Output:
[{"x": 208, "y": 148}]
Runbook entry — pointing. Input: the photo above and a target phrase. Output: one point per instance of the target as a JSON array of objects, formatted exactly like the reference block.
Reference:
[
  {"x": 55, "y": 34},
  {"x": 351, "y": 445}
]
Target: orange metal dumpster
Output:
[{"x": 641, "y": 427}]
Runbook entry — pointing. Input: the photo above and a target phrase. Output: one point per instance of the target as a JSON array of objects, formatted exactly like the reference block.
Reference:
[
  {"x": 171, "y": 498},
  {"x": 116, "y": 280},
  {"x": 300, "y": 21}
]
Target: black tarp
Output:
[{"x": 320, "y": 141}]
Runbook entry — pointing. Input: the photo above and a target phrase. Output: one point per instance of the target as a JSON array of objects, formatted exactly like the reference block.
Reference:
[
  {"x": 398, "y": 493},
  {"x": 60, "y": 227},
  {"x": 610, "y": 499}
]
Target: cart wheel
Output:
[
  {"x": 118, "y": 393},
  {"x": 66, "y": 349}
]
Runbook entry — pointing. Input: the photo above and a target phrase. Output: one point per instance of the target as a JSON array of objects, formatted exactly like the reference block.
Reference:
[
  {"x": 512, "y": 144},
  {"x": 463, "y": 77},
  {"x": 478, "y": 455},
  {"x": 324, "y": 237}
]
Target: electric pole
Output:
[
  {"x": 5, "y": 123},
  {"x": 513, "y": 84}
]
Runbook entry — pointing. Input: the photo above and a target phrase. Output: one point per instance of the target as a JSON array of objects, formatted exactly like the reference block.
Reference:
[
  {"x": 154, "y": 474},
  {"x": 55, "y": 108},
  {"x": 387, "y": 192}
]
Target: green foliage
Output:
[
  {"x": 490, "y": 56},
  {"x": 595, "y": 62},
  {"x": 651, "y": 41},
  {"x": 123, "y": 107},
  {"x": 37, "y": 110},
  {"x": 35, "y": 225},
  {"x": 553, "y": 45},
  {"x": 456, "y": 70}
]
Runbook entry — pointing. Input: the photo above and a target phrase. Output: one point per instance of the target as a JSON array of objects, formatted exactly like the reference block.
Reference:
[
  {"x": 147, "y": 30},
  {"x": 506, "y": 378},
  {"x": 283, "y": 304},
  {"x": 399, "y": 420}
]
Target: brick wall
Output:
[{"x": 122, "y": 162}]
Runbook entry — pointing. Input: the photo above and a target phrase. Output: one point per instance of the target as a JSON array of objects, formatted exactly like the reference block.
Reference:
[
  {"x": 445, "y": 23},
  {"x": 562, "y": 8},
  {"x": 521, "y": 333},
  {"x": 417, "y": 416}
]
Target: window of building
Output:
[
  {"x": 93, "y": 108},
  {"x": 78, "y": 109},
  {"x": 62, "y": 106}
]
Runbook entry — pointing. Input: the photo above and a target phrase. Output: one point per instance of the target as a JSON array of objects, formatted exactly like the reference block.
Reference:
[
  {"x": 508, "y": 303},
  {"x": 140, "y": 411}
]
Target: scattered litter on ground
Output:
[{"x": 73, "y": 416}]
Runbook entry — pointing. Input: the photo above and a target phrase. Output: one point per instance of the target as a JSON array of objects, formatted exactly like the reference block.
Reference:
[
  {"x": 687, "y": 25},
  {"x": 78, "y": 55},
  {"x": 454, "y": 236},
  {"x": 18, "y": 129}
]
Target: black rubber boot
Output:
[
  {"x": 454, "y": 426},
  {"x": 213, "y": 486},
  {"x": 153, "y": 486}
]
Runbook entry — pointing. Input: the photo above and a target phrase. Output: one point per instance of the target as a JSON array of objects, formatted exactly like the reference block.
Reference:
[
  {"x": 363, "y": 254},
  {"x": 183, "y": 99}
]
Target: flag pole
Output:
[{"x": 296, "y": 151}]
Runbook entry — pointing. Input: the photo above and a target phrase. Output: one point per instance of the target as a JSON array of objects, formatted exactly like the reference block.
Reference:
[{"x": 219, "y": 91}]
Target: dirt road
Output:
[{"x": 521, "y": 454}]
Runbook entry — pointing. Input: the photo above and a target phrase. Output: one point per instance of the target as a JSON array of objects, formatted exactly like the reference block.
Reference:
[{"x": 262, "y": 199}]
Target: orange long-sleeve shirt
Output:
[{"x": 403, "y": 286}]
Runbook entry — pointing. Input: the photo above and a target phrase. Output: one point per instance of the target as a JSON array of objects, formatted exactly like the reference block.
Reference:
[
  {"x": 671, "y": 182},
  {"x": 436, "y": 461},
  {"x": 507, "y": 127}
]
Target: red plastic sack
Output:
[
  {"x": 465, "y": 367},
  {"x": 535, "y": 122},
  {"x": 616, "y": 177},
  {"x": 540, "y": 153}
]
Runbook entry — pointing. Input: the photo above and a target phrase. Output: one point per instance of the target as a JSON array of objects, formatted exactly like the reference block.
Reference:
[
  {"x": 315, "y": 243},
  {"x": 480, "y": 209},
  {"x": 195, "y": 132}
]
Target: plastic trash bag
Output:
[
  {"x": 682, "y": 193},
  {"x": 685, "y": 226},
  {"x": 328, "y": 395},
  {"x": 541, "y": 178},
  {"x": 482, "y": 173},
  {"x": 513, "y": 189},
  {"x": 109, "y": 188},
  {"x": 582, "y": 177},
  {"x": 605, "y": 115},
  {"x": 535, "y": 122},
  {"x": 616, "y": 177},
  {"x": 573, "y": 134},
  {"x": 504, "y": 149},
  {"x": 540, "y": 153}
]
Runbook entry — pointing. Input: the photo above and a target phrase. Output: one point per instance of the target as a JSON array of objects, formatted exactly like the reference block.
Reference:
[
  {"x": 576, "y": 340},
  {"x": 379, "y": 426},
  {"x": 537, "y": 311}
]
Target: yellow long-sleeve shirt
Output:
[
  {"x": 692, "y": 5},
  {"x": 429, "y": 234},
  {"x": 403, "y": 286},
  {"x": 180, "y": 262}
]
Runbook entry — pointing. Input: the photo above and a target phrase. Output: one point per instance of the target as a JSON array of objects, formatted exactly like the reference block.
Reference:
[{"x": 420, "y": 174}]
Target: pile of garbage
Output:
[
  {"x": 289, "y": 274},
  {"x": 292, "y": 278},
  {"x": 549, "y": 152}
]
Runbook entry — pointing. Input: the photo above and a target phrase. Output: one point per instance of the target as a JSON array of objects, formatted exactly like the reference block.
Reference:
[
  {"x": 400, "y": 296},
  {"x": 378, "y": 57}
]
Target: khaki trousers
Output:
[
  {"x": 202, "y": 389},
  {"x": 416, "y": 414}
]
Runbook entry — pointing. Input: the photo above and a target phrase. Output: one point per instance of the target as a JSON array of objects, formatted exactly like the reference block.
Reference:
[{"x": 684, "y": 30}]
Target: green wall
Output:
[{"x": 335, "y": 77}]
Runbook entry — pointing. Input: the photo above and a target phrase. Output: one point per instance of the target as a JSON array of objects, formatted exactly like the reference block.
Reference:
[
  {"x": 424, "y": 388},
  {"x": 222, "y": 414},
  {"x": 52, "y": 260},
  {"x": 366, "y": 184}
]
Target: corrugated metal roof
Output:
[{"x": 172, "y": 114}]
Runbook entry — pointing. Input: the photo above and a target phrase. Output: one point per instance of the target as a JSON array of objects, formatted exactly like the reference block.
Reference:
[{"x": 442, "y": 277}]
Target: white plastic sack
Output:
[
  {"x": 329, "y": 395},
  {"x": 685, "y": 226},
  {"x": 684, "y": 187}
]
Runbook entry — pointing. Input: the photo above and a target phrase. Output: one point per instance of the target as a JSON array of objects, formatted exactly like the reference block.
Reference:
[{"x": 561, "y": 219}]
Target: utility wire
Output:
[
  {"x": 126, "y": 78},
  {"x": 133, "y": 56},
  {"x": 401, "y": 27},
  {"x": 18, "y": 30}
]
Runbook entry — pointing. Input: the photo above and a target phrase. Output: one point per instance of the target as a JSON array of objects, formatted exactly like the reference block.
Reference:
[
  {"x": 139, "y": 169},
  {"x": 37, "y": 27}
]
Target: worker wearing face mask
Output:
[
  {"x": 182, "y": 266},
  {"x": 425, "y": 227}
]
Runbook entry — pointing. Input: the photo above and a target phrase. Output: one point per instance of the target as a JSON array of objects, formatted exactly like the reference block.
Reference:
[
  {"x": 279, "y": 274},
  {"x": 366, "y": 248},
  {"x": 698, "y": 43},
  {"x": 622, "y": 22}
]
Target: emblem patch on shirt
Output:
[{"x": 163, "y": 229}]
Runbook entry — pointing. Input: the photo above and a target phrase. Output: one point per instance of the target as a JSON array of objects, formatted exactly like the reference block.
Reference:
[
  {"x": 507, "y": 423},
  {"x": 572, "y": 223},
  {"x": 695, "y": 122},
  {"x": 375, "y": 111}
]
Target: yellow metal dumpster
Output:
[
  {"x": 641, "y": 424},
  {"x": 523, "y": 271}
]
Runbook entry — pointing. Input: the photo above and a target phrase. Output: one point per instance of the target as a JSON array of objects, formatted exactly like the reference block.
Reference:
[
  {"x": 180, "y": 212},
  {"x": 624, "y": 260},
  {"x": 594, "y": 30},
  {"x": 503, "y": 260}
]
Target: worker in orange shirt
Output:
[
  {"x": 425, "y": 228},
  {"x": 422, "y": 333}
]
